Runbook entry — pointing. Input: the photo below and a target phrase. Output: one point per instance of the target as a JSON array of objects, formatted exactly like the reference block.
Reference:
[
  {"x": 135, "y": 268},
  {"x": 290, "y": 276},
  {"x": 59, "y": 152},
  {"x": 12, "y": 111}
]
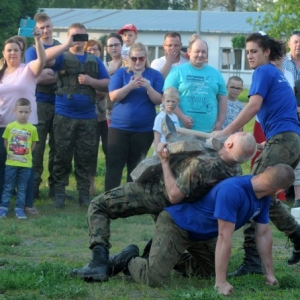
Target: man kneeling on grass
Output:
[{"x": 204, "y": 228}]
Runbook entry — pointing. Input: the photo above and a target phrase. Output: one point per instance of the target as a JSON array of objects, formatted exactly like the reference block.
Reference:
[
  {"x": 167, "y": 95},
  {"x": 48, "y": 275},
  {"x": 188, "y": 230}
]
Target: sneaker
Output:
[
  {"x": 3, "y": 212},
  {"x": 20, "y": 213},
  {"x": 31, "y": 210}
]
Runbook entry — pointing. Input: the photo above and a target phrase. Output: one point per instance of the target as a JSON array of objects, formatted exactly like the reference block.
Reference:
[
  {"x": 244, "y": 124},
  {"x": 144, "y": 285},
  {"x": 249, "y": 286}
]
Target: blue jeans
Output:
[
  {"x": 30, "y": 187},
  {"x": 19, "y": 176}
]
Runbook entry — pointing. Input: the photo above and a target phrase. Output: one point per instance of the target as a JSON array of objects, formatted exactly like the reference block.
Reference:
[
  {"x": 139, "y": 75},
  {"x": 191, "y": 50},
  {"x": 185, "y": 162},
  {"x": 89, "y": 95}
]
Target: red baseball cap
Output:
[{"x": 127, "y": 27}]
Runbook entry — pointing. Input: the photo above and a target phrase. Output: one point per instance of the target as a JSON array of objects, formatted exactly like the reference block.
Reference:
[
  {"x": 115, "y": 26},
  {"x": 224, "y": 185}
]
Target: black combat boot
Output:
[
  {"x": 97, "y": 268},
  {"x": 84, "y": 200},
  {"x": 250, "y": 265},
  {"x": 51, "y": 192},
  {"x": 295, "y": 239},
  {"x": 119, "y": 262},
  {"x": 36, "y": 194},
  {"x": 59, "y": 200}
]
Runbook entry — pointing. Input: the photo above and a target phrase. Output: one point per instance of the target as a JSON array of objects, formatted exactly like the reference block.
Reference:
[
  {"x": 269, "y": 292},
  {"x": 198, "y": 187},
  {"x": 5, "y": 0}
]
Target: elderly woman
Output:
[
  {"x": 17, "y": 80},
  {"x": 135, "y": 91}
]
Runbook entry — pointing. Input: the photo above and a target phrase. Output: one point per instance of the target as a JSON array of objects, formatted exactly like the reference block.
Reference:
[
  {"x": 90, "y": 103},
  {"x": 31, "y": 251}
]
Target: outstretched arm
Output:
[
  {"x": 55, "y": 51},
  {"x": 223, "y": 250},
  {"x": 174, "y": 193},
  {"x": 38, "y": 64},
  {"x": 263, "y": 238}
]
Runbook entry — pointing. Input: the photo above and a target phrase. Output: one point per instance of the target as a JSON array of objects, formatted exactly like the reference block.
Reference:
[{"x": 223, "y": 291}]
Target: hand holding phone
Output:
[
  {"x": 137, "y": 74},
  {"x": 27, "y": 28}
]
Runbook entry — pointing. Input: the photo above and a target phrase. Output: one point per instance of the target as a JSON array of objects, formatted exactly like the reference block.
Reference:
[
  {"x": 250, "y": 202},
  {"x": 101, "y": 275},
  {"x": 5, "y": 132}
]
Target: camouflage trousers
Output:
[
  {"x": 282, "y": 148},
  {"x": 128, "y": 200},
  {"x": 167, "y": 253},
  {"x": 45, "y": 112},
  {"x": 73, "y": 138}
]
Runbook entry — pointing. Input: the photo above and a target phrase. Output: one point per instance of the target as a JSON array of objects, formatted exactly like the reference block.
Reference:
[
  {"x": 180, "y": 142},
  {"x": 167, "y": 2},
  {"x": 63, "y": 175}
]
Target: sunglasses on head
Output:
[
  {"x": 296, "y": 32},
  {"x": 135, "y": 59}
]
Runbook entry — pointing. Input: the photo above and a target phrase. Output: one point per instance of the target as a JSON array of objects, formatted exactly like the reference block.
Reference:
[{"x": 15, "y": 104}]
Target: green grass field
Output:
[{"x": 37, "y": 255}]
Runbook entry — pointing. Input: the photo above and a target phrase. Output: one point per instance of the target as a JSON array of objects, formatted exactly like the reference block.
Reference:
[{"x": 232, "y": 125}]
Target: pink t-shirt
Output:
[{"x": 19, "y": 84}]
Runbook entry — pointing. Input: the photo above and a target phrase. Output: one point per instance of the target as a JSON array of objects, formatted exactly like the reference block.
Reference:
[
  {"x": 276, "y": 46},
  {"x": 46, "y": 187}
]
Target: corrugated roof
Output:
[{"x": 154, "y": 20}]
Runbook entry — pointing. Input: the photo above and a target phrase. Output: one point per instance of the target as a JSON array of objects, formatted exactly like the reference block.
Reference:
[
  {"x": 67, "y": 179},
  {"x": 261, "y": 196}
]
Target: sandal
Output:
[{"x": 31, "y": 211}]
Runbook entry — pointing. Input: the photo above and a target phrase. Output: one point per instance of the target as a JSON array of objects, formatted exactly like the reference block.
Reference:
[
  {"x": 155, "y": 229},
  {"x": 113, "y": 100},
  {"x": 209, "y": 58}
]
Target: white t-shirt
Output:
[
  {"x": 125, "y": 51},
  {"x": 158, "y": 121},
  {"x": 158, "y": 63}
]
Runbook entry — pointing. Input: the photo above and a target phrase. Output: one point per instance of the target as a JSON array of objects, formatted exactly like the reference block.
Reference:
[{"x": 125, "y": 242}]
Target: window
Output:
[
  {"x": 234, "y": 60},
  {"x": 246, "y": 63},
  {"x": 226, "y": 59},
  {"x": 151, "y": 53}
]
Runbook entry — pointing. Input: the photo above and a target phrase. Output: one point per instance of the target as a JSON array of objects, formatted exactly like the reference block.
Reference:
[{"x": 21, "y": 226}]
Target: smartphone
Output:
[
  {"x": 26, "y": 28},
  {"x": 137, "y": 74},
  {"x": 80, "y": 37}
]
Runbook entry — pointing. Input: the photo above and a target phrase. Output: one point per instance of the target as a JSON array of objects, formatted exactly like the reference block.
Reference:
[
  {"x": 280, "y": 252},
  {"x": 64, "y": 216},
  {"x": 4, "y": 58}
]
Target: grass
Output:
[{"x": 38, "y": 254}]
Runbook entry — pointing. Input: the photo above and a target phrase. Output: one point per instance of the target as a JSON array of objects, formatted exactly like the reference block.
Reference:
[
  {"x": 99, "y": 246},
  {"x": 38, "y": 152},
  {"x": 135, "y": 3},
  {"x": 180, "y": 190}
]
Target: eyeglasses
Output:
[
  {"x": 171, "y": 45},
  {"x": 235, "y": 88},
  {"x": 135, "y": 59},
  {"x": 295, "y": 32},
  {"x": 92, "y": 49},
  {"x": 113, "y": 45}
]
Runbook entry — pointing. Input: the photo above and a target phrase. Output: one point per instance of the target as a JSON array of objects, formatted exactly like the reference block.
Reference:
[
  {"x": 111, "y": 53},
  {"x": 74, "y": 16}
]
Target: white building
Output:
[{"x": 217, "y": 29}]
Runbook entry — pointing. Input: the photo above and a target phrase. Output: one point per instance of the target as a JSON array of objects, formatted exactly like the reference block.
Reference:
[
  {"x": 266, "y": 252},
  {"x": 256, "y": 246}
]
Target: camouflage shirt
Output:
[{"x": 198, "y": 173}]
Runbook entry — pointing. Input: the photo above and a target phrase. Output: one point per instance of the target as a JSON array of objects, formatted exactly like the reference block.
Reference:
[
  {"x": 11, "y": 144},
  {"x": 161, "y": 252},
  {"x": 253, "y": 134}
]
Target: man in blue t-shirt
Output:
[
  {"x": 79, "y": 74},
  {"x": 195, "y": 226}
]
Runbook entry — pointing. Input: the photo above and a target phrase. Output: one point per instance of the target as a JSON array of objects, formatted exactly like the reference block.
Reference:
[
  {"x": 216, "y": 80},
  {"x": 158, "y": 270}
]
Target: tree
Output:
[
  {"x": 150, "y": 4},
  {"x": 279, "y": 22},
  {"x": 10, "y": 14},
  {"x": 106, "y": 4}
]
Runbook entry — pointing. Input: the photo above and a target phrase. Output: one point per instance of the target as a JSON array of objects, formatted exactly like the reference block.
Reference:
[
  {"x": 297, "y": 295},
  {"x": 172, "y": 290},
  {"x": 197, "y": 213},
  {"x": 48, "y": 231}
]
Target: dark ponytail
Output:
[{"x": 265, "y": 42}]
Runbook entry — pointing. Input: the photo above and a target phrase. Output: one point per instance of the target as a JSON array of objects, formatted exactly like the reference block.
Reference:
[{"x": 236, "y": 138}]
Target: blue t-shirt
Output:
[
  {"x": 232, "y": 200},
  {"x": 278, "y": 112},
  {"x": 30, "y": 55},
  {"x": 198, "y": 91},
  {"x": 136, "y": 112},
  {"x": 79, "y": 106}
]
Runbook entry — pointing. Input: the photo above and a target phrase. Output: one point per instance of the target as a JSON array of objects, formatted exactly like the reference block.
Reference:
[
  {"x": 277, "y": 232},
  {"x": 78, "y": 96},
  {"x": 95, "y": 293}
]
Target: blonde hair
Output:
[
  {"x": 172, "y": 93},
  {"x": 137, "y": 47},
  {"x": 41, "y": 17}
]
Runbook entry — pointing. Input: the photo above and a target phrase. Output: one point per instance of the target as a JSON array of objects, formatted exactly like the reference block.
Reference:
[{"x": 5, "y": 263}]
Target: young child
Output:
[
  {"x": 170, "y": 100},
  {"x": 129, "y": 36},
  {"x": 234, "y": 106},
  {"x": 20, "y": 138}
]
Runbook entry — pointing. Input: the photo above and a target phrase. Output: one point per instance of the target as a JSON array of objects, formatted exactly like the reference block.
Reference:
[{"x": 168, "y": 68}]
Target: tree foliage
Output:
[
  {"x": 279, "y": 22},
  {"x": 10, "y": 14}
]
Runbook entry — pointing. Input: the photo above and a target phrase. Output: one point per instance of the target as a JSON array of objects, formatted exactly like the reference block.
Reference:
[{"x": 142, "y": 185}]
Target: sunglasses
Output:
[
  {"x": 295, "y": 32},
  {"x": 135, "y": 59}
]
